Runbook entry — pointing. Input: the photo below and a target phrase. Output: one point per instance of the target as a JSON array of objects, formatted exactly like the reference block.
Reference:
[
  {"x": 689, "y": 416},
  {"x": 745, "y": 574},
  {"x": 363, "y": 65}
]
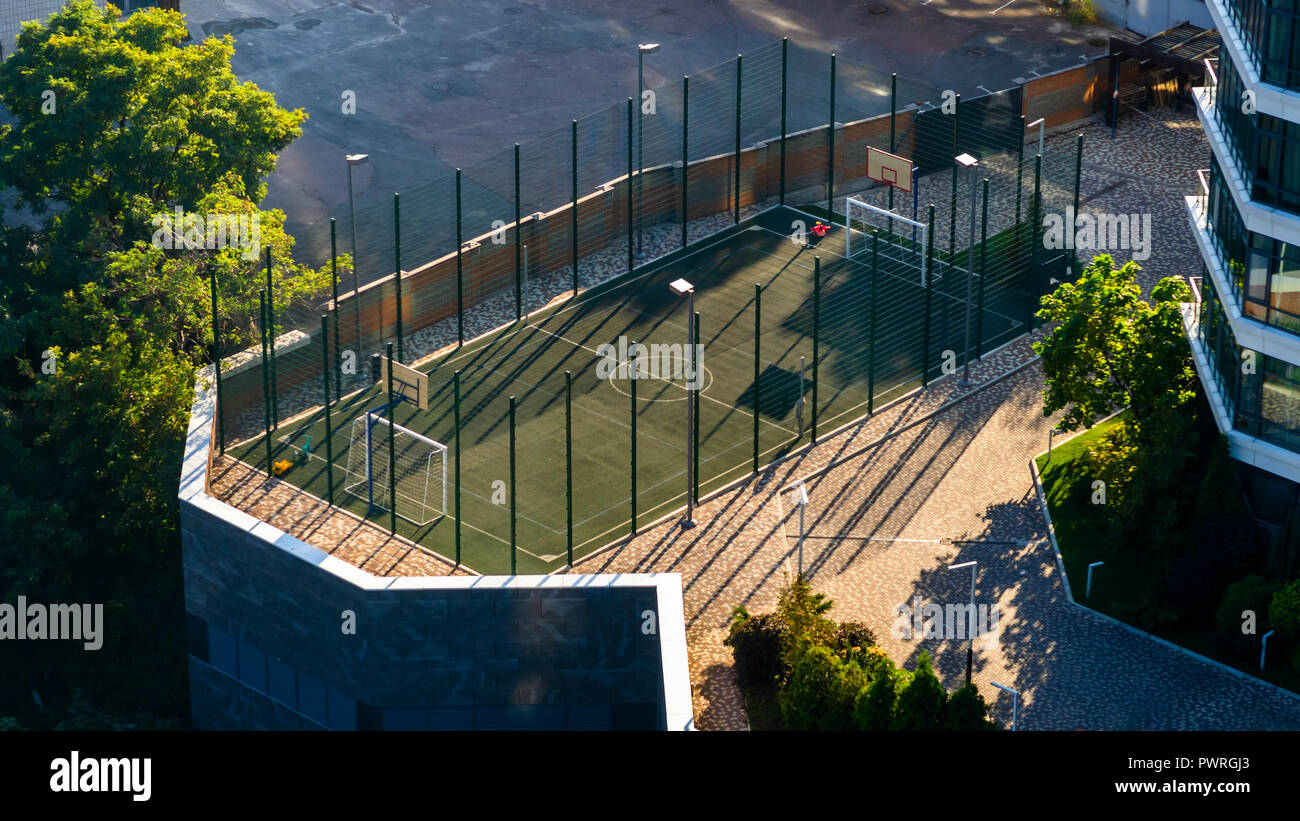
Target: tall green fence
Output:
[{"x": 603, "y": 195}]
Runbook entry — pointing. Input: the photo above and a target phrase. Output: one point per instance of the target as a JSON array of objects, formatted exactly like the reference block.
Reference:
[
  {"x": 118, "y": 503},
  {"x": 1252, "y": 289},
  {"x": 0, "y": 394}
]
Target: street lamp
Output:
[
  {"x": 970, "y": 618},
  {"x": 641, "y": 51},
  {"x": 1264, "y": 649},
  {"x": 354, "y": 160},
  {"x": 681, "y": 287},
  {"x": 970, "y": 164},
  {"x": 1040, "y": 122},
  {"x": 1087, "y": 594},
  {"x": 803, "y": 504},
  {"x": 1015, "y": 701}
]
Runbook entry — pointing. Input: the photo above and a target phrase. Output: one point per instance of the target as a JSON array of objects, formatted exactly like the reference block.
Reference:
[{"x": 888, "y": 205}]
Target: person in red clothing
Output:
[{"x": 819, "y": 232}]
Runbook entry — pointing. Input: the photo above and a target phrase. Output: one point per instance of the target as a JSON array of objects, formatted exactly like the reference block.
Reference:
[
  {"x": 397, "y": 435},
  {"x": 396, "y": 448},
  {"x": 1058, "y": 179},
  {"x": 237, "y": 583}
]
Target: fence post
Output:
[
  {"x": 925, "y": 333},
  {"x": 392, "y": 447},
  {"x": 984, "y": 271},
  {"x": 513, "y": 510},
  {"x": 817, "y": 321},
  {"x": 460, "y": 269},
  {"x": 893, "y": 113},
  {"x": 871, "y": 319},
  {"x": 686, "y": 162},
  {"x": 952, "y": 216},
  {"x": 830, "y": 152},
  {"x": 270, "y": 330},
  {"x": 631, "y": 261},
  {"x": 1035, "y": 220},
  {"x": 1078, "y": 174},
  {"x": 736, "y": 198},
  {"x": 455, "y": 382},
  {"x": 329, "y": 433},
  {"x": 568, "y": 446},
  {"x": 574, "y": 141},
  {"x": 1020, "y": 173},
  {"x": 266, "y": 382},
  {"x": 785, "y": 48},
  {"x": 758, "y": 336},
  {"x": 519, "y": 239},
  {"x": 397, "y": 272},
  {"x": 631, "y": 372},
  {"x": 695, "y": 398},
  {"x": 216, "y": 367},
  {"x": 338, "y": 348}
]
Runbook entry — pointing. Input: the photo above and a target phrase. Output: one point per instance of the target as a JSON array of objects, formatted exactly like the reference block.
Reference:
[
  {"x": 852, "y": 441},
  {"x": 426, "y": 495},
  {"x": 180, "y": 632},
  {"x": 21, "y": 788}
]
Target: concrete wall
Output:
[{"x": 266, "y": 614}]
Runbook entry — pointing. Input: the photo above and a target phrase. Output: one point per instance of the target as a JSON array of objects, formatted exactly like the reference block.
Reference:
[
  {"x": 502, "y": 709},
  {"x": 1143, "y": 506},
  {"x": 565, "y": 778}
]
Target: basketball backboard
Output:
[
  {"x": 408, "y": 383},
  {"x": 889, "y": 168}
]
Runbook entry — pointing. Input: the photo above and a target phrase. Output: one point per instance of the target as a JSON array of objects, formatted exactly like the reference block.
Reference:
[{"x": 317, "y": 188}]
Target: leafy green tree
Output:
[
  {"x": 755, "y": 643},
  {"x": 821, "y": 691},
  {"x": 922, "y": 701},
  {"x": 967, "y": 710},
  {"x": 873, "y": 708},
  {"x": 101, "y": 332},
  {"x": 1284, "y": 610},
  {"x": 1111, "y": 349},
  {"x": 803, "y": 613}
]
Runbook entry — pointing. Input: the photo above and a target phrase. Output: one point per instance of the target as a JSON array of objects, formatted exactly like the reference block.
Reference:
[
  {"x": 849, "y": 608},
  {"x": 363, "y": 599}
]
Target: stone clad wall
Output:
[{"x": 590, "y": 651}]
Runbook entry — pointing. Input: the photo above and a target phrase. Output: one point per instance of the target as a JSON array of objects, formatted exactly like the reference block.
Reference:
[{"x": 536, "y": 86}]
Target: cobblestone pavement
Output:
[{"x": 938, "y": 479}]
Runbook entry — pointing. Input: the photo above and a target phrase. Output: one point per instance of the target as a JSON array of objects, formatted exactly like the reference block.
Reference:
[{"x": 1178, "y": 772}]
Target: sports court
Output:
[{"x": 592, "y": 447}]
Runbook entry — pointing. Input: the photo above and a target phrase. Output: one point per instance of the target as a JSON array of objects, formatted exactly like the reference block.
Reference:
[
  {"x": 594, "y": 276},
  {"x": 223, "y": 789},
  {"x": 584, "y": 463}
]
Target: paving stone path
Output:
[{"x": 939, "y": 479}]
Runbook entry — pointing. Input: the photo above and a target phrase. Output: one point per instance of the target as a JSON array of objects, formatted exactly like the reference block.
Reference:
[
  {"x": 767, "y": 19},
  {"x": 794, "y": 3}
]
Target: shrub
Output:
[
  {"x": 873, "y": 661},
  {"x": 1284, "y": 557},
  {"x": 967, "y": 710},
  {"x": 852, "y": 634},
  {"x": 921, "y": 701},
  {"x": 1217, "y": 548},
  {"x": 821, "y": 691},
  {"x": 802, "y": 613},
  {"x": 1081, "y": 12},
  {"x": 1251, "y": 593},
  {"x": 873, "y": 709},
  {"x": 1219, "y": 493},
  {"x": 1284, "y": 610},
  {"x": 755, "y": 643}
]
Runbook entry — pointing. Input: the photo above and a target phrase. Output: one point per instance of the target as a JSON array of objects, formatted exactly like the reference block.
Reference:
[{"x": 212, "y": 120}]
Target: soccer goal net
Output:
[
  {"x": 899, "y": 241},
  {"x": 417, "y": 470}
]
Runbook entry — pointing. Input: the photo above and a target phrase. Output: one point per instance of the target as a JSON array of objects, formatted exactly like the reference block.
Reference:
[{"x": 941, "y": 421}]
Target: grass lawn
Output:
[{"x": 1087, "y": 532}]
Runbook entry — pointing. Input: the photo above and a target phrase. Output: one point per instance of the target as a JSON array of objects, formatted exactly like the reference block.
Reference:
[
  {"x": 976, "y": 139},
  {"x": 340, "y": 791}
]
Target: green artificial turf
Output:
[{"x": 528, "y": 361}]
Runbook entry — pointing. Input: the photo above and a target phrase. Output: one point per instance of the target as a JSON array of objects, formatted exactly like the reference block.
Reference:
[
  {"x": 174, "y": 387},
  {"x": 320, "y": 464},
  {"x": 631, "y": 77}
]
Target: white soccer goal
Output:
[
  {"x": 901, "y": 240},
  {"x": 419, "y": 469}
]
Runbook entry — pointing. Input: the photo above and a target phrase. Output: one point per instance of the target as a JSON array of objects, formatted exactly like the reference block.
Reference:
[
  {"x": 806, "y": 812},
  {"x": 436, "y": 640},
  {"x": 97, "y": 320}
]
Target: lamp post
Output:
[
  {"x": 1264, "y": 649},
  {"x": 971, "y": 621},
  {"x": 641, "y": 51},
  {"x": 1087, "y": 594},
  {"x": 970, "y": 164},
  {"x": 681, "y": 287},
  {"x": 803, "y": 504},
  {"x": 355, "y": 160},
  {"x": 1040, "y": 122},
  {"x": 1015, "y": 701}
]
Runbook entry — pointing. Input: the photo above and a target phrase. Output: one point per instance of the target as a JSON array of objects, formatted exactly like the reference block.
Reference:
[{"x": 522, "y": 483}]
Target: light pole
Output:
[
  {"x": 970, "y": 164},
  {"x": 682, "y": 287},
  {"x": 1087, "y": 594},
  {"x": 641, "y": 51},
  {"x": 1015, "y": 701},
  {"x": 803, "y": 504},
  {"x": 1040, "y": 122},
  {"x": 971, "y": 621},
  {"x": 354, "y": 160},
  {"x": 1264, "y": 649}
]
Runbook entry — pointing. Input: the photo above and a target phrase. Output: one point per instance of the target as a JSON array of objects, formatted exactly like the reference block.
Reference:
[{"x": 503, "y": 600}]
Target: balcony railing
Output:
[{"x": 1211, "y": 81}]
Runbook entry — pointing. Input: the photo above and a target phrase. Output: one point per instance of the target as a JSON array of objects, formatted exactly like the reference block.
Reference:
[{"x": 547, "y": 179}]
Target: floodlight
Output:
[
  {"x": 681, "y": 286},
  {"x": 648, "y": 48},
  {"x": 357, "y": 159},
  {"x": 967, "y": 161}
]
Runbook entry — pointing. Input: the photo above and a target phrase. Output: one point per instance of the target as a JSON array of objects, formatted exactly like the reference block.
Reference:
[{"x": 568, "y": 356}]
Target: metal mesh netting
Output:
[{"x": 792, "y": 334}]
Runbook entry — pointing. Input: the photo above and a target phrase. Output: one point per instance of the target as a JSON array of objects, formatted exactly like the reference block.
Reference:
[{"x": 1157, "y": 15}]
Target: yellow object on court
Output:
[{"x": 281, "y": 466}]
